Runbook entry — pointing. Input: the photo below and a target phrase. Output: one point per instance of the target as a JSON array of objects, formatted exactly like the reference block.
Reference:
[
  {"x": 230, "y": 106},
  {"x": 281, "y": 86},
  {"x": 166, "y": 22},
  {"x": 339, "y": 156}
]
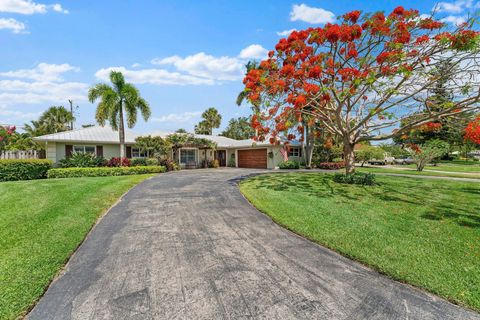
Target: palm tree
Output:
[
  {"x": 116, "y": 100},
  {"x": 211, "y": 119},
  {"x": 54, "y": 119}
]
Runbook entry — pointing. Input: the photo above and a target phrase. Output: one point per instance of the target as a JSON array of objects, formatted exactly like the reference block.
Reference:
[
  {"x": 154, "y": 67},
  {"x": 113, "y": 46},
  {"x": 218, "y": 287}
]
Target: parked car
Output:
[
  {"x": 384, "y": 161},
  {"x": 404, "y": 160}
]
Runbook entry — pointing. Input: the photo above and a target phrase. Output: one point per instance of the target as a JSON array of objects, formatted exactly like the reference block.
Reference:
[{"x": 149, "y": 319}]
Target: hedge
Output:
[
  {"x": 24, "y": 169},
  {"x": 103, "y": 171},
  {"x": 331, "y": 165},
  {"x": 289, "y": 164}
]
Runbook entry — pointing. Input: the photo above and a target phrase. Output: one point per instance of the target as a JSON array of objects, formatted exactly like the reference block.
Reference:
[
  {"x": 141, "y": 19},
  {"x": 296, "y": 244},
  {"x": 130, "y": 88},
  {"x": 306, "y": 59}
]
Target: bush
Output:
[
  {"x": 169, "y": 164},
  {"x": 24, "y": 169},
  {"x": 214, "y": 164},
  {"x": 103, "y": 171},
  {"x": 289, "y": 164},
  {"x": 139, "y": 162},
  {"x": 331, "y": 165},
  {"x": 82, "y": 160},
  {"x": 152, "y": 162},
  {"x": 365, "y": 179},
  {"x": 119, "y": 162}
]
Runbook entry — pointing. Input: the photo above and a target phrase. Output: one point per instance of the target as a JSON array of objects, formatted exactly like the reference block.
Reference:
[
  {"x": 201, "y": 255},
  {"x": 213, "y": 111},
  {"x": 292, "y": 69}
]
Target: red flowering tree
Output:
[
  {"x": 5, "y": 133},
  {"x": 472, "y": 132},
  {"x": 360, "y": 78}
]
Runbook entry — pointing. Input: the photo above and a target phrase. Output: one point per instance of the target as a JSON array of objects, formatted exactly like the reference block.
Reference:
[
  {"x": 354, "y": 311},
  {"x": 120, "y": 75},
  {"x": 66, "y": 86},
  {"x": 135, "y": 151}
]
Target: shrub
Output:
[
  {"x": 103, "y": 171},
  {"x": 331, "y": 165},
  {"x": 289, "y": 164},
  {"x": 365, "y": 179},
  {"x": 24, "y": 169},
  {"x": 82, "y": 160},
  {"x": 231, "y": 162},
  {"x": 152, "y": 162},
  {"x": 139, "y": 162},
  {"x": 214, "y": 164},
  {"x": 119, "y": 162},
  {"x": 169, "y": 164}
]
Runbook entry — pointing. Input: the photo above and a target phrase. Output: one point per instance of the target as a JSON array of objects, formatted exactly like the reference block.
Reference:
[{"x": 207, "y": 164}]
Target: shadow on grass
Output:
[{"x": 401, "y": 190}]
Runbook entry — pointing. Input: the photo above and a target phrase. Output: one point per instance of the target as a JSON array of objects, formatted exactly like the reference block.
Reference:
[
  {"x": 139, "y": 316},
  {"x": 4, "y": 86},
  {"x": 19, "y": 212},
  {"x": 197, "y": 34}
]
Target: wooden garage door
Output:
[{"x": 253, "y": 158}]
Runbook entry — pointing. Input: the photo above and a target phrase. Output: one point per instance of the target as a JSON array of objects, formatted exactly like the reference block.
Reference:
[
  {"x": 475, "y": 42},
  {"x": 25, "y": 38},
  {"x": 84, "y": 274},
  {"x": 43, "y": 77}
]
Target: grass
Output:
[
  {"x": 450, "y": 167},
  {"x": 418, "y": 231},
  {"x": 412, "y": 171},
  {"x": 41, "y": 224}
]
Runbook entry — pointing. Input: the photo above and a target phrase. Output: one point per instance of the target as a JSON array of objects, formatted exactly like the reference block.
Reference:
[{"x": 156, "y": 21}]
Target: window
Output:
[
  {"x": 295, "y": 152},
  {"x": 187, "y": 155},
  {"x": 84, "y": 149},
  {"x": 137, "y": 154}
]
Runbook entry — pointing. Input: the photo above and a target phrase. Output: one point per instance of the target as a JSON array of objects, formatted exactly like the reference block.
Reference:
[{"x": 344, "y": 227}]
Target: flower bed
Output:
[{"x": 331, "y": 165}]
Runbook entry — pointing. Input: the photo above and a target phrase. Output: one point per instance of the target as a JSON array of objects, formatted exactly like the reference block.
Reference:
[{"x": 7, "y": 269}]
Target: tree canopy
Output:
[
  {"x": 211, "y": 120},
  {"x": 54, "y": 119},
  {"x": 359, "y": 78},
  {"x": 239, "y": 129}
]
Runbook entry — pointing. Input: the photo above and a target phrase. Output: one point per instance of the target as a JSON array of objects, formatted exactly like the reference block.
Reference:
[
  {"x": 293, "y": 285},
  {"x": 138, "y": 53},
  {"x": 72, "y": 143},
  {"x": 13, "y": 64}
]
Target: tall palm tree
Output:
[
  {"x": 211, "y": 119},
  {"x": 116, "y": 100}
]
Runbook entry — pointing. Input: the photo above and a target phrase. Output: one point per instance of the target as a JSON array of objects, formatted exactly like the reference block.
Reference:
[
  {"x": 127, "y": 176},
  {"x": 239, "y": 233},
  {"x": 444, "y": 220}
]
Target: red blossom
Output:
[
  {"x": 352, "y": 16},
  {"x": 472, "y": 132}
]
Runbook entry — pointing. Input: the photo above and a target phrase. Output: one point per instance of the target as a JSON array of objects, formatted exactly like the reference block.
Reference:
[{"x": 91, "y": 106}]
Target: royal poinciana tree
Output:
[
  {"x": 472, "y": 132},
  {"x": 360, "y": 78}
]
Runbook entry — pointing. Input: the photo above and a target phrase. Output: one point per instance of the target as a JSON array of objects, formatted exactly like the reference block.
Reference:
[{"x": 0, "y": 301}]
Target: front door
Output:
[{"x": 221, "y": 156}]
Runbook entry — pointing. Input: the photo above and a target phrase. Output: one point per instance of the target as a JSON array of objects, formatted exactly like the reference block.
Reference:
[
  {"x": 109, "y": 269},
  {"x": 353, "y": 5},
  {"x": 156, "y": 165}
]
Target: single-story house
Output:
[{"x": 103, "y": 141}]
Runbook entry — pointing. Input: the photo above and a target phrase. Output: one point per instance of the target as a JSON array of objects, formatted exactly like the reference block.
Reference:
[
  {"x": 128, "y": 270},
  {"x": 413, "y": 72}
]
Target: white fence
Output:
[{"x": 29, "y": 154}]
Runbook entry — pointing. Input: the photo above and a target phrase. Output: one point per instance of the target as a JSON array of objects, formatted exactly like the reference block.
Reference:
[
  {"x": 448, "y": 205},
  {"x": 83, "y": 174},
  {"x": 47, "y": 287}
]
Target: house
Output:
[{"x": 103, "y": 141}]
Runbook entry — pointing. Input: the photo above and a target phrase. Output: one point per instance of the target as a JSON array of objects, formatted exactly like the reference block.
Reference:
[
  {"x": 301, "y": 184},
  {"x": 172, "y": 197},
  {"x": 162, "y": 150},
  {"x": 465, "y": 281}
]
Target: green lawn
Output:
[
  {"x": 41, "y": 223},
  {"x": 424, "y": 232},
  {"x": 407, "y": 170},
  {"x": 472, "y": 167}
]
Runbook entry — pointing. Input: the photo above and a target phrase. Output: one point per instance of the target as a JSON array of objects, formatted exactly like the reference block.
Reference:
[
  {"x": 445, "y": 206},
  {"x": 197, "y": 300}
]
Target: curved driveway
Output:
[{"x": 187, "y": 245}]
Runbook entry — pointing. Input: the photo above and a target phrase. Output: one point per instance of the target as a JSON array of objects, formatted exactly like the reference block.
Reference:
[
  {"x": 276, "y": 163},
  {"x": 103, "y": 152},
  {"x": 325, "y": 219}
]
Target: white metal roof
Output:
[
  {"x": 106, "y": 134},
  {"x": 95, "y": 134}
]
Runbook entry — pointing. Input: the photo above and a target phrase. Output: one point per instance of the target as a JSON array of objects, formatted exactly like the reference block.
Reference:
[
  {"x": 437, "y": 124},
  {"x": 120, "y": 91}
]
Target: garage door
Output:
[{"x": 253, "y": 158}]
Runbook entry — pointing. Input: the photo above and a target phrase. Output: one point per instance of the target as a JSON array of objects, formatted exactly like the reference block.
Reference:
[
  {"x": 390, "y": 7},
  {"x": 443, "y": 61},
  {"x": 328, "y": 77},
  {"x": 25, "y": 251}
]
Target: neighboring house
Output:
[{"x": 103, "y": 141}]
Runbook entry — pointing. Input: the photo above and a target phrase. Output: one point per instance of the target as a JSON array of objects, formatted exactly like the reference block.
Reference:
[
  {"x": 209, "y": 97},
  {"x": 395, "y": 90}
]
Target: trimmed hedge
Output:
[
  {"x": 331, "y": 165},
  {"x": 365, "y": 179},
  {"x": 24, "y": 169},
  {"x": 289, "y": 164},
  {"x": 103, "y": 171}
]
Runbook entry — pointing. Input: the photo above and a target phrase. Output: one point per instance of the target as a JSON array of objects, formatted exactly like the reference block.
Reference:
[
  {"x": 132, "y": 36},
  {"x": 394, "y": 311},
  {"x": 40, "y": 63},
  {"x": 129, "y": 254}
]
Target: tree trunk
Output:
[
  {"x": 348, "y": 152},
  {"x": 308, "y": 148},
  {"x": 121, "y": 132}
]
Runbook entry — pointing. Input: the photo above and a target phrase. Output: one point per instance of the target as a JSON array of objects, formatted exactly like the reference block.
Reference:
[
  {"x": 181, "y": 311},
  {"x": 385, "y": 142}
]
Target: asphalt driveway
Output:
[{"x": 187, "y": 245}]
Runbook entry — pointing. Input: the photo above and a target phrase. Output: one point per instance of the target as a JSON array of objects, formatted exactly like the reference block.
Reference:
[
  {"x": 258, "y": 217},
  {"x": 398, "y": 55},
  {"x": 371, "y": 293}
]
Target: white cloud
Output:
[
  {"x": 453, "y": 7},
  {"x": 28, "y": 7},
  {"x": 308, "y": 14},
  {"x": 13, "y": 25},
  {"x": 455, "y": 20},
  {"x": 40, "y": 85},
  {"x": 254, "y": 51},
  {"x": 178, "y": 117},
  {"x": 206, "y": 66},
  {"x": 285, "y": 33},
  {"x": 42, "y": 72},
  {"x": 153, "y": 76},
  {"x": 136, "y": 65},
  {"x": 15, "y": 114}
]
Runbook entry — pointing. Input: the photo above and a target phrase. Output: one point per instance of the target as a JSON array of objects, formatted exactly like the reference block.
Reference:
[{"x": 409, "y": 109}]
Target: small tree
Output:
[
  {"x": 358, "y": 79},
  {"x": 426, "y": 153},
  {"x": 366, "y": 153},
  {"x": 239, "y": 129},
  {"x": 153, "y": 146}
]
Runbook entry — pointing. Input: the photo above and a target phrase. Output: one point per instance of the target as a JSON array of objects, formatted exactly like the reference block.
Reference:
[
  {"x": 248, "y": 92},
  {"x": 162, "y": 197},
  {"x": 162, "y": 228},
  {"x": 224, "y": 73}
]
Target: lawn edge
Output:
[
  {"x": 363, "y": 264},
  {"x": 61, "y": 271}
]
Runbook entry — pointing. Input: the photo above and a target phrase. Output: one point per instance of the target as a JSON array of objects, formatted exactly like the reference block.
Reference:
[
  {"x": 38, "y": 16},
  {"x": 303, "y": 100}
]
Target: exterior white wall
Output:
[
  {"x": 58, "y": 150},
  {"x": 51, "y": 151}
]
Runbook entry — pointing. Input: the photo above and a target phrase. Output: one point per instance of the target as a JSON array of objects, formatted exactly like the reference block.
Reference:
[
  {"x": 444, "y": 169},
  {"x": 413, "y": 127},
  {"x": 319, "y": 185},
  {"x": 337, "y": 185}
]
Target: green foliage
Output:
[
  {"x": 239, "y": 129},
  {"x": 82, "y": 160},
  {"x": 395, "y": 150},
  {"x": 152, "y": 162},
  {"x": 54, "y": 119},
  {"x": 153, "y": 146},
  {"x": 429, "y": 151},
  {"x": 366, "y": 153},
  {"x": 24, "y": 169},
  {"x": 211, "y": 120},
  {"x": 364, "y": 179},
  {"x": 231, "y": 161},
  {"x": 289, "y": 164},
  {"x": 336, "y": 165},
  {"x": 145, "y": 162},
  {"x": 103, "y": 171},
  {"x": 169, "y": 164}
]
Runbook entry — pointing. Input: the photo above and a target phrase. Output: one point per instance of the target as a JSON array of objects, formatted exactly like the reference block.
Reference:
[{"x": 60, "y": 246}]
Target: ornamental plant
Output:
[
  {"x": 426, "y": 153},
  {"x": 5, "y": 133},
  {"x": 472, "y": 132},
  {"x": 358, "y": 79}
]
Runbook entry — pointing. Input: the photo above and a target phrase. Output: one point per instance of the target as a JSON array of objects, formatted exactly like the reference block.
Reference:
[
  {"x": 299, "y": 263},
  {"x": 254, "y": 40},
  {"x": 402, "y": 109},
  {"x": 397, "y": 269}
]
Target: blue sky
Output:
[{"x": 184, "y": 56}]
